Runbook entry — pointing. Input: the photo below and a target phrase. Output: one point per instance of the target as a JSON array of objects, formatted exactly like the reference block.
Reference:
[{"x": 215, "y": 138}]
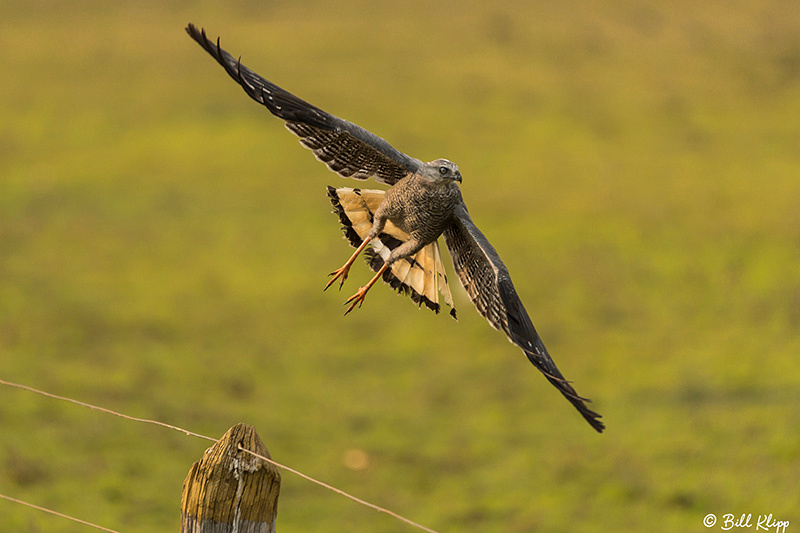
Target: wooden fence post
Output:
[{"x": 229, "y": 490}]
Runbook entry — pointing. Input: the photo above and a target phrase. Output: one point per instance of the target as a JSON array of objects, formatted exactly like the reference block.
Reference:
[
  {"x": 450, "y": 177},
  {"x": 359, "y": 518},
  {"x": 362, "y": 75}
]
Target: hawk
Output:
[{"x": 398, "y": 229}]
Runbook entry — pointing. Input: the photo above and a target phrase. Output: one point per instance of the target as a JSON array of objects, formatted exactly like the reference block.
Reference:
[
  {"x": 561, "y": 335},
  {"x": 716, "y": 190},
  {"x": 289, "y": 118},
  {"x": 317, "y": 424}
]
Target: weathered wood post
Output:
[{"x": 230, "y": 490}]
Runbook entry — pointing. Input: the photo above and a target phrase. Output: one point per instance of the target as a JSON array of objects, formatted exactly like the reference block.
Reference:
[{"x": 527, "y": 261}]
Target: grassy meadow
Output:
[{"x": 164, "y": 242}]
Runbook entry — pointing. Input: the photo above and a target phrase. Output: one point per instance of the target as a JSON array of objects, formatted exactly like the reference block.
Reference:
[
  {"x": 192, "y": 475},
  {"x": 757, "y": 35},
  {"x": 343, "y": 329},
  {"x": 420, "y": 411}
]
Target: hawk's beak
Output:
[{"x": 458, "y": 176}]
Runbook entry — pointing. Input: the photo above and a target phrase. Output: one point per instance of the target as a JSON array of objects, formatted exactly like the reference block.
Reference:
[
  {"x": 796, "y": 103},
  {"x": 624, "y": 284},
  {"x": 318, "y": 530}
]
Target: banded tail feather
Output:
[{"x": 422, "y": 277}]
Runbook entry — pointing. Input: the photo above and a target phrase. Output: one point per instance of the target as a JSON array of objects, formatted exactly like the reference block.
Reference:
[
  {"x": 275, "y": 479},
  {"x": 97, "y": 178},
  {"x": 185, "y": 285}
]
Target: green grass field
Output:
[{"x": 164, "y": 243}]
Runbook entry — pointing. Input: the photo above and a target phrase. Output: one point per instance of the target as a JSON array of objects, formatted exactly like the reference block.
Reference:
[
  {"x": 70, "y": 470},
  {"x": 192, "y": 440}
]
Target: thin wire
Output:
[
  {"x": 103, "y": 409},
  {"x": 62, "y": 515},
  {"x": 339, "y": 491},
  {"x": 193, "y": 434}
]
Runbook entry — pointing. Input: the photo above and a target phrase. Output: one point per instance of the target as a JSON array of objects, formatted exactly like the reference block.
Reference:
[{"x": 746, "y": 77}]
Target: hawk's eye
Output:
[{"x": 442, "y": 170}]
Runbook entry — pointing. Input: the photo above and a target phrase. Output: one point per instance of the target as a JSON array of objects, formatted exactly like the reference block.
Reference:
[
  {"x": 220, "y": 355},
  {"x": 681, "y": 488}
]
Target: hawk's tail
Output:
[{"x": 422, "y": 277}]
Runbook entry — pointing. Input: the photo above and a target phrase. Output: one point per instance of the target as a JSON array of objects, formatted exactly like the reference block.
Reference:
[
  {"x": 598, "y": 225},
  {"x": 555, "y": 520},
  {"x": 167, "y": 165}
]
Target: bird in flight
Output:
[{"x": 398, "y": 229}]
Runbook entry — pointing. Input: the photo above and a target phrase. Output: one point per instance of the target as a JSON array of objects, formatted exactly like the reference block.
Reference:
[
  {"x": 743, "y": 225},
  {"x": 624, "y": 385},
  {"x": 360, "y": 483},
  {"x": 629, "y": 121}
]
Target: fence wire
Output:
[{"x": 198, "y": 435}]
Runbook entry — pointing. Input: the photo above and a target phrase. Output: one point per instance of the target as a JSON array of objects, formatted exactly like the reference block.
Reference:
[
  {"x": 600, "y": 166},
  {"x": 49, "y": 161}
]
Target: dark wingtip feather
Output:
[
  {"x": 546, "y": 366},
  {"x": 191, "y": 29}
]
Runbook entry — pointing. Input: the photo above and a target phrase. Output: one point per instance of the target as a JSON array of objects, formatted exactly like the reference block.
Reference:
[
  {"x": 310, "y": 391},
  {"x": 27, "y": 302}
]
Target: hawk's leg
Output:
[
  {"x": 358, "y": 298},
  {"x": 343, "y": 271},
  {"x": 407, "y": 249}
]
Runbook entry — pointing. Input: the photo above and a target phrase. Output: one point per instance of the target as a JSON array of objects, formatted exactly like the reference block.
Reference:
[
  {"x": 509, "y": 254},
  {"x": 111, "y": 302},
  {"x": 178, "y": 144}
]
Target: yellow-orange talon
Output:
[
  {"x": 340, "y": 272},
  {"x": 357, "y": 299}
]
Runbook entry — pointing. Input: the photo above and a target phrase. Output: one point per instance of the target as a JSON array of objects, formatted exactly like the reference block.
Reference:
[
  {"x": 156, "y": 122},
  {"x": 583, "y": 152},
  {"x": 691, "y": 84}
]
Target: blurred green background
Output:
[{"x": 164, "y": 243}]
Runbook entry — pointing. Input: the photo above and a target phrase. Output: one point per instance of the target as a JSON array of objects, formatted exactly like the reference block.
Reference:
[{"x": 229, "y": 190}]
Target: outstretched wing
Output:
[
  {"x": 486, "y": 280},
  {"x": 347, "y": 149}
]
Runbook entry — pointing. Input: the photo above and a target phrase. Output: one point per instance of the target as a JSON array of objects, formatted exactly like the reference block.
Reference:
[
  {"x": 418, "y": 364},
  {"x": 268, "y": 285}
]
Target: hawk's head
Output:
[{"x": 441, "y": 171}]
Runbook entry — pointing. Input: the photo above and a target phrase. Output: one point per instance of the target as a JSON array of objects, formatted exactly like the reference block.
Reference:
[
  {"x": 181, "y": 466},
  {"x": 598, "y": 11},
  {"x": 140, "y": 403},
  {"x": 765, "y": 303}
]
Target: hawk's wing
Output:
[
  {"x": 489, "y": 286},
  {"x": 347, "y": 149}
]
